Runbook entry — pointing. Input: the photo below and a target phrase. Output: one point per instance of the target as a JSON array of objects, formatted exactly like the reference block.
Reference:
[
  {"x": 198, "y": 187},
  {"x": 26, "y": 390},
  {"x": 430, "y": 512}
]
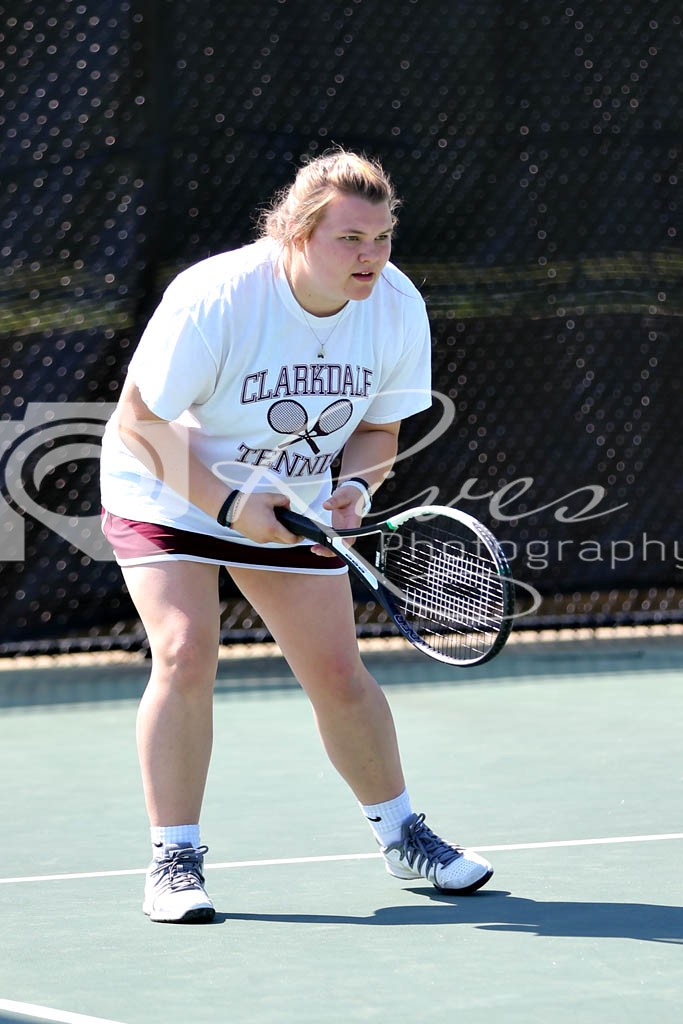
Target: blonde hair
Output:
[{"x": 297, "y": 210}]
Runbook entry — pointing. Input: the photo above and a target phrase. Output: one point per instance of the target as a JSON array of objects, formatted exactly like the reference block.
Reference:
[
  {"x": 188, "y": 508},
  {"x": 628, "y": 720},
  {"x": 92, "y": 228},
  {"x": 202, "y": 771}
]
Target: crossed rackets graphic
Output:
[{"x": 290, "y": 417}]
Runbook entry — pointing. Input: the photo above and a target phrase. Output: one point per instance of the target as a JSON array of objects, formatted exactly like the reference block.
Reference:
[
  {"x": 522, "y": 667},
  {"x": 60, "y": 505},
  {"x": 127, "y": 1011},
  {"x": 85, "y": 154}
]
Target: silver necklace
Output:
[
  {"x": 321, "y": 344},
  {"x": 319, "y": 341}
]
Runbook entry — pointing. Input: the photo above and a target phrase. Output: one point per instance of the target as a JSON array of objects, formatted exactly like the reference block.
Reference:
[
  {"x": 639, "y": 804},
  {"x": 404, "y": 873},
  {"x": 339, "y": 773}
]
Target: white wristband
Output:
[{"x": 363, "y": 488}]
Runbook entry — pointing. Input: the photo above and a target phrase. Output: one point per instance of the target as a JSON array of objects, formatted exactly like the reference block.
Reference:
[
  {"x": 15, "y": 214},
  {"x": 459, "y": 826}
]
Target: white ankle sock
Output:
[
  {"x": 166, "y": 835},
  {"x": 387, "y": 819}
]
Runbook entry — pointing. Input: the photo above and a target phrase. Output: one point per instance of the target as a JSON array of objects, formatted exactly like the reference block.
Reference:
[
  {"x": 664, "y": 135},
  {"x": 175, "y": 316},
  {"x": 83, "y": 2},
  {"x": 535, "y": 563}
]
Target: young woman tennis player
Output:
[{"x": 258, "y": 368}]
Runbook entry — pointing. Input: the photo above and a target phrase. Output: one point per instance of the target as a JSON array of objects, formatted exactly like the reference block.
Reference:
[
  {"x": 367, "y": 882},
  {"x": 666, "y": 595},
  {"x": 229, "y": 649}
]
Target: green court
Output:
[{"x": 561, "y": 760}]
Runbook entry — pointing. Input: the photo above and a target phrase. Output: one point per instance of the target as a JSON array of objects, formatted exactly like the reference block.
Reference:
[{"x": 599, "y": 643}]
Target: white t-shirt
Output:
[{"x": 231, "y": 355}]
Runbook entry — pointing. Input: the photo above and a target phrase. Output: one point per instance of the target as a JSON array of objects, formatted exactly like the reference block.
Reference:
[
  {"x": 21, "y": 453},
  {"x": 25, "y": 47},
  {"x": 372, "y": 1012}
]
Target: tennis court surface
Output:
[{"x": 561, "y": 760}]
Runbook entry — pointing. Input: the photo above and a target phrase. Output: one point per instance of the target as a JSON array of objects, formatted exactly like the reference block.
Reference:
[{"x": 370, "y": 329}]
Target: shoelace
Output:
[
  {"x": 182, "y": 869},
  {"x": 421, "y": 844}
]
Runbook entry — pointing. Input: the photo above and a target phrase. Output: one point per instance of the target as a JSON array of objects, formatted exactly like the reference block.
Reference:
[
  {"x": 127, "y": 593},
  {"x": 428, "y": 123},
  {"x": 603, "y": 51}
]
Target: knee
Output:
[
  {"x": 346, "y": 682},
  {"x": 186, "y": 662}
]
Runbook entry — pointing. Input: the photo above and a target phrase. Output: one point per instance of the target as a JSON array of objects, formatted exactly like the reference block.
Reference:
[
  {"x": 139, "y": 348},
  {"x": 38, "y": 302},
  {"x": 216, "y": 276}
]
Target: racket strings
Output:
[
  {"x": 452, "y": 592},
  {"x": 287, "y": 417},
  {"x": 468, "y": 601},
  {"x": 334, "y": 417}
]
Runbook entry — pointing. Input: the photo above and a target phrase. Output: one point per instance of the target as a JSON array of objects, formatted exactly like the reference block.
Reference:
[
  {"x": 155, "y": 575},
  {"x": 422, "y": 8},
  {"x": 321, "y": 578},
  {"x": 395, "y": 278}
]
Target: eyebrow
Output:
[{"x": 359, "y": 231}]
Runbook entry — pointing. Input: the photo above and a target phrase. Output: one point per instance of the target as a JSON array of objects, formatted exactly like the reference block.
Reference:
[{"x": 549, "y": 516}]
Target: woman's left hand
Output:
[{"x": 346, "y": 506}]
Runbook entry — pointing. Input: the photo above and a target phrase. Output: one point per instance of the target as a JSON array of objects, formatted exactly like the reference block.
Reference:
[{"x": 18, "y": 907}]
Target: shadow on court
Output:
[
  {"x": 566, "y": 740},
  {"x": 501, "y": 912}
]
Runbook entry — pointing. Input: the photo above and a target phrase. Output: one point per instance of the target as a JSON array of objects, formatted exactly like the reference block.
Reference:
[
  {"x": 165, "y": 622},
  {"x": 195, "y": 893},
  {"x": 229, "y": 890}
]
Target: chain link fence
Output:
[{"x": 537, "y": 148}]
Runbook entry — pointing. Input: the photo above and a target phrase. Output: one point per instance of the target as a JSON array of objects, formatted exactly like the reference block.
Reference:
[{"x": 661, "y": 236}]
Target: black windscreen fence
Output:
[{"x": 537, "y": 150}]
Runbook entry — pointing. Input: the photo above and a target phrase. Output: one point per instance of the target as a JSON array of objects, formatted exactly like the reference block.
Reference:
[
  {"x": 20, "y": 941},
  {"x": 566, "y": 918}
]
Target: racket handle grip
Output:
[{"x": 300, "y": 525}]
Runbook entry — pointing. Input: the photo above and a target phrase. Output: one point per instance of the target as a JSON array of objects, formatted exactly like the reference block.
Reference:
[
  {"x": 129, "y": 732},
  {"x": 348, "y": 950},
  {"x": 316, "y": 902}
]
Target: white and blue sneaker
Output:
[
  {"x": 421, "y": 854},
  {"x": 174, "y": 887}
]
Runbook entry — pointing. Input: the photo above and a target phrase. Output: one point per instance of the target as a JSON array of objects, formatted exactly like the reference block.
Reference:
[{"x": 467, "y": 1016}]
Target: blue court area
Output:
[{"x": 561, "y": 760}]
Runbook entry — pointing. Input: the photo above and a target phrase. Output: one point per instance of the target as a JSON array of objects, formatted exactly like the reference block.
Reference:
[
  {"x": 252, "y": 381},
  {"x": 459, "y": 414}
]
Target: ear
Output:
[
  {"x": 295, "y": 239},
  {"x": 298, "y": 241}
]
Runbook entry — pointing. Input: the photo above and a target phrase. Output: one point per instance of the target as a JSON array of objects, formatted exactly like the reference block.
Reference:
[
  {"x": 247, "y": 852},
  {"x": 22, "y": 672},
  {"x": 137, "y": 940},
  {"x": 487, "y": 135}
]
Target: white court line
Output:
[
  {"x": 584, "y": 842},
  {"x": 280, "y": 861},
  {"x": 65, "y": 1017},
  {"x": 48, "y": 1013}
]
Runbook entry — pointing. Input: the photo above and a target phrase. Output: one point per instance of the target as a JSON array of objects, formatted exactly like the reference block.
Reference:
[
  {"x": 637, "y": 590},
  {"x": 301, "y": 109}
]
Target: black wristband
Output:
[
  {"x": 222, "y": 517},
  {"x": 359, "y": 480}
]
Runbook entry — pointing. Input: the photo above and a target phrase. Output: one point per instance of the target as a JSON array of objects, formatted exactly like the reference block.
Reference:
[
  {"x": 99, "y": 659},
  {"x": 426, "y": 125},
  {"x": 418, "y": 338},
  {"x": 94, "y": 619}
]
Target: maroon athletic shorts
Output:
[{"x": 137, "y": 543}]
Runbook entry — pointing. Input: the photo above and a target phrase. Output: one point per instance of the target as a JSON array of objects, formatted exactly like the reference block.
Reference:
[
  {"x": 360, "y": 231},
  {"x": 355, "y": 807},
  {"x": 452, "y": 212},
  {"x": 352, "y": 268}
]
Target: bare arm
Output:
[
  {"x": 369, "y": 453},
  {"x": 164, "y": 449}
]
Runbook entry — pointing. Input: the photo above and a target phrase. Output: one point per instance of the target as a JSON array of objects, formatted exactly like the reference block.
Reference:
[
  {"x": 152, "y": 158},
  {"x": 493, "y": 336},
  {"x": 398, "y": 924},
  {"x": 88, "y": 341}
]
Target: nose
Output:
[{"x": 370, "y": 252}]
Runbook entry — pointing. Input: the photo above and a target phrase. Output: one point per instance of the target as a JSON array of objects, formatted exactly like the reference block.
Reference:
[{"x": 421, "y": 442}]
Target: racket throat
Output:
[{"x": 358, "y": 564}]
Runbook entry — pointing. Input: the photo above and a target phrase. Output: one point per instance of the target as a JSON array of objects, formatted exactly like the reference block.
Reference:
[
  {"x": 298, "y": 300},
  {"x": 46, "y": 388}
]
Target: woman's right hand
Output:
[{"x": 256, "y": 520}]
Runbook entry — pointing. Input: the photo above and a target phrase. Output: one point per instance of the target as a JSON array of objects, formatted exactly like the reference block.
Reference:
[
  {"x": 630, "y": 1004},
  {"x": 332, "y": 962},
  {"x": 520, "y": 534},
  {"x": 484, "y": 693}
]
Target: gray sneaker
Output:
[
  {"x": 174, "y": 887},
  {"x": 421, "y": 854}
]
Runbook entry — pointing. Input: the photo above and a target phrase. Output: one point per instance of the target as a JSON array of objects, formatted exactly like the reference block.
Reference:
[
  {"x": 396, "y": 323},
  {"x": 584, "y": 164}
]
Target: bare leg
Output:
[
  {"x": 311, "y": 618},
  {"x": 178, "y": 605}
]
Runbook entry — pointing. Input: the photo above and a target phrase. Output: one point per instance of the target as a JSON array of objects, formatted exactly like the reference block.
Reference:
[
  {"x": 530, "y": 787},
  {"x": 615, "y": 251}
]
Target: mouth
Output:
[{"x": 363, "y": 275}]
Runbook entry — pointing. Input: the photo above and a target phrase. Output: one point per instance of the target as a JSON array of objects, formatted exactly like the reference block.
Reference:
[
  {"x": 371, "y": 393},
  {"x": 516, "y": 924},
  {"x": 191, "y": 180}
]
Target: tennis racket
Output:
[
  {"x": 439, "y": 573},
  {"x": 290, "y": 417}
]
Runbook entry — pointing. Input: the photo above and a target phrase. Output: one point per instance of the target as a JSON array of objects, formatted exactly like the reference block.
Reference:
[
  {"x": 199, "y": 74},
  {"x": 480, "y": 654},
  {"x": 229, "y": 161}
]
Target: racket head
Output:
[
  {"x": 334, "y": 417},
  {"x": 446, "y": 583},
  {"x": 287, "y": 416}
]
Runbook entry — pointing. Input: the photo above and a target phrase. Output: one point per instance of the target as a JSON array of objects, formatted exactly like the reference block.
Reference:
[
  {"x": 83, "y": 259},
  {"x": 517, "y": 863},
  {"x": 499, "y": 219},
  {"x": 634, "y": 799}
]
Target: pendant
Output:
[{"x": 321, "y": 355}]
